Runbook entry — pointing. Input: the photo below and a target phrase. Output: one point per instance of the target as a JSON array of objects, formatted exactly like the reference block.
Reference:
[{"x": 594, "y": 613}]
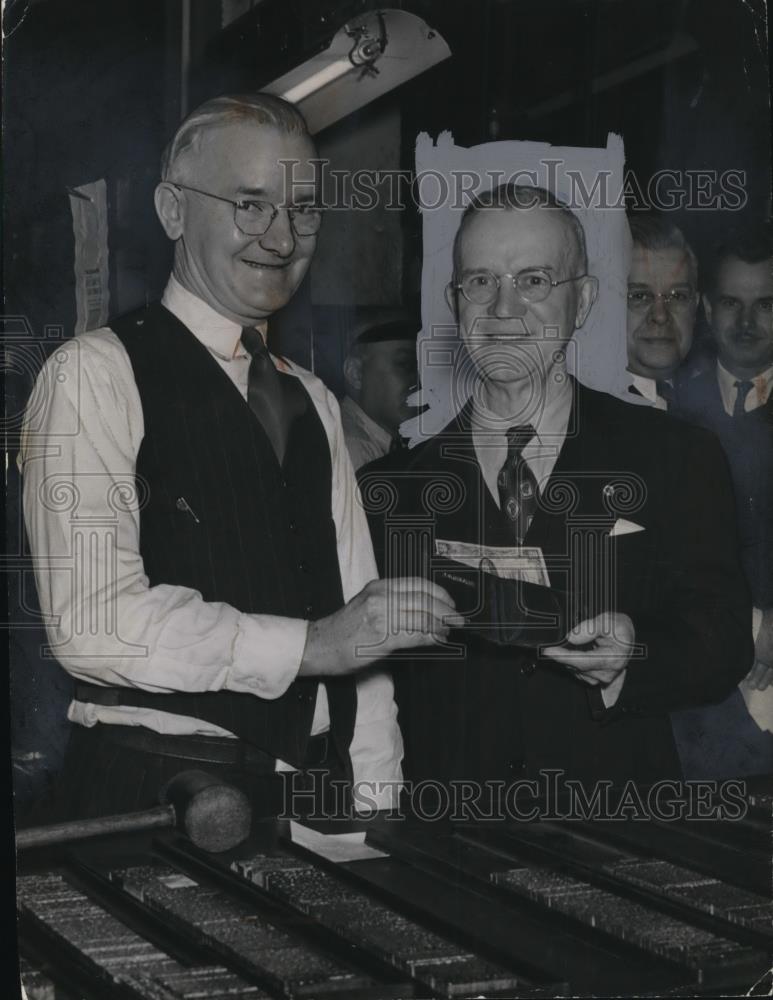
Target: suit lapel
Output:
[{"x": 476, "y": 515}]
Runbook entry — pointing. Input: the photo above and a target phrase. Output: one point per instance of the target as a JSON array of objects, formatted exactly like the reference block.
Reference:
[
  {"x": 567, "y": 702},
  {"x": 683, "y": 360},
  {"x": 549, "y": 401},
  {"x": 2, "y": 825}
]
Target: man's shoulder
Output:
[
  {"x": 90, "y": 350},
  {"x": 393, "y": 463},
  {"x": 645, "y": 428},
  {"x": 311, "y": 382},
  {"x": 307, "y": 377},
  {"x": 424, "y": 455},
  {"x": 700, "y": 394}
]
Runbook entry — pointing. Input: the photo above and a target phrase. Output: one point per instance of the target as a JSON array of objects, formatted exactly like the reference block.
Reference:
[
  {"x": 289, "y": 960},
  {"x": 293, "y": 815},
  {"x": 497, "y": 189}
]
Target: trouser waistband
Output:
[{"x": 208, "y": 749}]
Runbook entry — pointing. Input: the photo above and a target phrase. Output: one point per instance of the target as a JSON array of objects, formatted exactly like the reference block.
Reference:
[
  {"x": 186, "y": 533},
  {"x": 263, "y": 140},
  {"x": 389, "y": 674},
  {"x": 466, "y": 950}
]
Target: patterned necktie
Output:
[
  {"x": 264, "y": 392},
  {"x": 517, "y": 484},
  {"x": 744, "y": 387}
]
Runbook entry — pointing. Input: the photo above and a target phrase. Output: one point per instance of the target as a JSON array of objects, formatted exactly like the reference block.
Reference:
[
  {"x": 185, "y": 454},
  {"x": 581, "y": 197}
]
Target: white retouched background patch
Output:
[{"x": 597, "y": 355}]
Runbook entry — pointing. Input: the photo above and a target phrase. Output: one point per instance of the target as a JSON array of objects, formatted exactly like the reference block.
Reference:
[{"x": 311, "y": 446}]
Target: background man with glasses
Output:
[
  {"x": 662, "y": 300},
  {"x": 227, "y": 590},
  {"x": 626, "y": 507}
]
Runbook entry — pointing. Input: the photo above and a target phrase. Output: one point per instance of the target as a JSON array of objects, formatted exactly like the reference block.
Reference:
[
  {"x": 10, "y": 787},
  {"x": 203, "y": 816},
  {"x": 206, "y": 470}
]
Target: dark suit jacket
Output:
[
  {"x": 504, "y": 713},
  {"x": 748, "y": 444}
]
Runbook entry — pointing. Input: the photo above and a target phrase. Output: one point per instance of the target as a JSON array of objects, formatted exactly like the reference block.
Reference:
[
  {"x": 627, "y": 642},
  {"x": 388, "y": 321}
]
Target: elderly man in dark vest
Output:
[{"x": 210, "y": 584}]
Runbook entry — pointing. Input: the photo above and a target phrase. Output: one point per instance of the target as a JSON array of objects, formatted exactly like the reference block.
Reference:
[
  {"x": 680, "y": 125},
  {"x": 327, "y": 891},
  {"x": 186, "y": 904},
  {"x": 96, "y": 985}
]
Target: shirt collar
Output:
[
  {"x": 219, "y": 335},
  {"x": 646, "y": 386},
  {"x": 550, "y": 422},
  {"x": 373, "y": 430}
]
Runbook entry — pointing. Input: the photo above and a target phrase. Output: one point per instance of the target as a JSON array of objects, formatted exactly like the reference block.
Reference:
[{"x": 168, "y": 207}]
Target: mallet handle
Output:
[{"x": 62, "y": 833}]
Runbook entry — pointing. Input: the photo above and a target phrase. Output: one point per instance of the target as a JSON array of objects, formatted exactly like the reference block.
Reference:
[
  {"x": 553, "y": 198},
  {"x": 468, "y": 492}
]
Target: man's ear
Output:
[
  {"x": 589, "y": 289},
  {"x": 170, "y": 209},
  {"x": 353, "y": 372},
  {"x": 707, "y": 308},
  {"x": 452, "y": 302}
]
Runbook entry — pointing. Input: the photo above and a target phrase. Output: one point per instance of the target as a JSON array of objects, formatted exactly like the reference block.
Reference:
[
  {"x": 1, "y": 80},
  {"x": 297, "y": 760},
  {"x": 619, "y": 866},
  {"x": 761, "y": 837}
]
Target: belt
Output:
[{"x": 206, "y": 749}]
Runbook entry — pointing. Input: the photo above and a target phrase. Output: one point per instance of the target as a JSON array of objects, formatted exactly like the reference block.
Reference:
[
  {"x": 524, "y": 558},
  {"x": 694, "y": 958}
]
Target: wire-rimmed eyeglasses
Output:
[
  {"x": 642, "y": 299},
  {"x": 254, "y": 217},
  {"x": 533, "y": 284}
]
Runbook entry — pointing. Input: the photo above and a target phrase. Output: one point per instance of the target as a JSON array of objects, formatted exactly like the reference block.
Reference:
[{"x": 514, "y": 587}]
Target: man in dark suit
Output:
[
  {"x": 627, "y": 507},
  {"x": 733, "y": 399}
]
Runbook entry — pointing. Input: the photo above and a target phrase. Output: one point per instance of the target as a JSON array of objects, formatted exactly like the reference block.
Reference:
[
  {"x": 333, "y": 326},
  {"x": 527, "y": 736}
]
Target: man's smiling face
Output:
[
  {"x": 244, "y": 278},
  {"x": 659, "y": 336},
  {"x": 510, "y": 339}
]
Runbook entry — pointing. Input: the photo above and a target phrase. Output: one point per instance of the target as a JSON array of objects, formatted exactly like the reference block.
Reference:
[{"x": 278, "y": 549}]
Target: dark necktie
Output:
[
  {"x": 667, "y": 391},
  {"x": 264, "y": 392},
  {"x": 744, "y": 387},
  {"x": 517, "y": 484}
]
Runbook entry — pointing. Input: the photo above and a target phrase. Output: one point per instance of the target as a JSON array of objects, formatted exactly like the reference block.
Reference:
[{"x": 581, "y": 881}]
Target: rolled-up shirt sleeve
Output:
[
  {"x": 376, "y": 749},
  {"x": 105, "y": 623}
]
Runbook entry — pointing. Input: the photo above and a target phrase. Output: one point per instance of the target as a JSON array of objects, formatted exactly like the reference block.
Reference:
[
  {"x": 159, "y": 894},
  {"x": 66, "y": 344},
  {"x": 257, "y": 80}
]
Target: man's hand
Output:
[
  {"x": 612, "y": 636},
  {"x": 761, "y": 674},
  {"x": 386, "y": 615}
]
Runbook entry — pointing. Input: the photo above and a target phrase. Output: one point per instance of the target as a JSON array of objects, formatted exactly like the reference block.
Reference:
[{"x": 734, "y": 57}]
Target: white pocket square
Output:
[{"x": 623, "y": 527}]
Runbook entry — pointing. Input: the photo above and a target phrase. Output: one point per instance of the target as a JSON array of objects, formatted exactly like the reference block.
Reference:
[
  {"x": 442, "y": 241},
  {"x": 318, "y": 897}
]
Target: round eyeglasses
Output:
[
  {"x": 254, "y": 218},
  {"x": 533, "y": 285},
  {"x": 642, "y": 299}
]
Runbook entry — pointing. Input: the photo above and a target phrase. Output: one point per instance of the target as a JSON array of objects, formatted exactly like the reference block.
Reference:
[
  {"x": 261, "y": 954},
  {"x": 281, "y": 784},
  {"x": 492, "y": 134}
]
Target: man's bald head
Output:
[{"x": 517, "y": 197}]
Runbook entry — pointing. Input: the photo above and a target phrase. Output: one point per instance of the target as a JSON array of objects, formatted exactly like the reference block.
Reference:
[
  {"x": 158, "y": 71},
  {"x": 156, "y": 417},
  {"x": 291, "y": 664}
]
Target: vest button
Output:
[
  {"x": 517, "y": 765},
  {"x": 303, "y": 567},
  {"x": 308, "y": 611},
  {"x": 528, "y": 667},
  {"x": 293, "y": 527}
]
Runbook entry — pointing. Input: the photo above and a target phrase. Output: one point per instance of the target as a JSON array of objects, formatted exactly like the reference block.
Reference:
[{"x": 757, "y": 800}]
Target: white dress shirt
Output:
[
  {"x": 757, "y": 395},
  {"x": 647, "y": 387},
  {"x": 83, "y": 430},
  {"x": 550, "y": 421},
  {"x": 365, "y": 439}
]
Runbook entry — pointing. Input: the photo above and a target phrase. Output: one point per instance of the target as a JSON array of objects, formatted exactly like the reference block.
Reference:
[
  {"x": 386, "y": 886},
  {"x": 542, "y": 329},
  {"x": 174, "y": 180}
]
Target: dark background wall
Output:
[{"x": 94, "y": 90}]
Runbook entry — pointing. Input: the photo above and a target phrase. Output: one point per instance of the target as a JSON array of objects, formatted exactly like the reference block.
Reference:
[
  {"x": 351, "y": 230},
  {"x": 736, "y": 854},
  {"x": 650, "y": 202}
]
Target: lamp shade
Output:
[{"x": 367, "y": 57}]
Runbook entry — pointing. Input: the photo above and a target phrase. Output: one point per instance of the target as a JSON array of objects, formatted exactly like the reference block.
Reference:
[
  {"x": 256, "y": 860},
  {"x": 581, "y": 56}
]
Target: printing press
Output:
[{"x": 481, "y": 908}]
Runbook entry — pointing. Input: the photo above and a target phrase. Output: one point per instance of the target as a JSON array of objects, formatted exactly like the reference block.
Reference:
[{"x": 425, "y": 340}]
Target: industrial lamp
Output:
[{"x": 366, "y": 58}]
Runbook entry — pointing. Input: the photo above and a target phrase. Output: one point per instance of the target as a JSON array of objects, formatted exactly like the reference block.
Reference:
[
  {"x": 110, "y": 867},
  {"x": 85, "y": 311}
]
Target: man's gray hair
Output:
[
  {"x": 652, "y": 231},
  {"x": 259, "y": 108},
  {"x": 520, "y": 196}
]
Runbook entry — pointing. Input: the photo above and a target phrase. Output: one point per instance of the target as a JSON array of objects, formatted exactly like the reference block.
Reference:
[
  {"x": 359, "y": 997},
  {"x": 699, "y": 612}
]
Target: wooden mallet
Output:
[{"x": 214, "y": 816}]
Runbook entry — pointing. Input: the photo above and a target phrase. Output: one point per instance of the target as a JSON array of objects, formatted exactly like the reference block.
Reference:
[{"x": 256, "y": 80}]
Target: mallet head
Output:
[{"x": 214, "y": 816}]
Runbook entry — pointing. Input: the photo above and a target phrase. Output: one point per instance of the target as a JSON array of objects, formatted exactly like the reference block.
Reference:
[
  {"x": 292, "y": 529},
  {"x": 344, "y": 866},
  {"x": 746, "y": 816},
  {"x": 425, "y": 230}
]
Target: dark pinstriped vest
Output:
[{"x": 221, "y": 516}]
